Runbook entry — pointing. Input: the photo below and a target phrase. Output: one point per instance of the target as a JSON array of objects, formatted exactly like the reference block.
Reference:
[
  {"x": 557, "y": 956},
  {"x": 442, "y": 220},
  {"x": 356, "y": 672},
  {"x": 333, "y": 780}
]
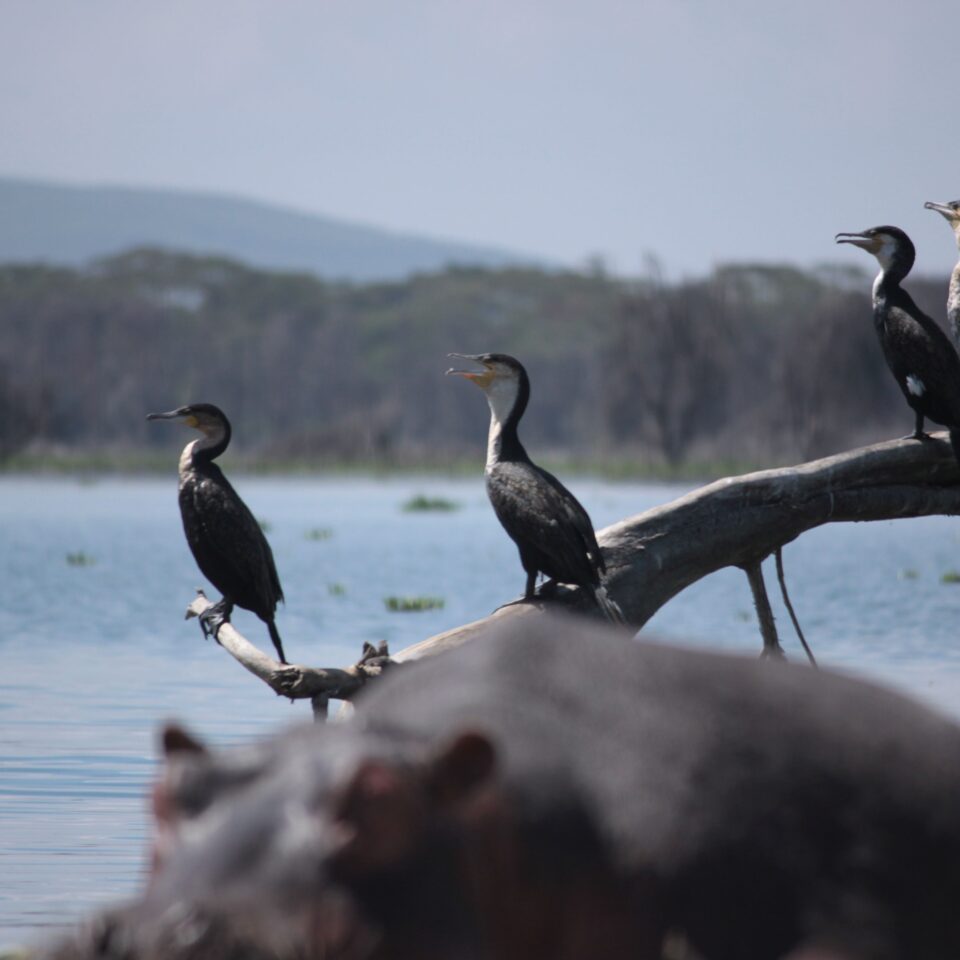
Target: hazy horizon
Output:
[{"x": 689, "y": 132}]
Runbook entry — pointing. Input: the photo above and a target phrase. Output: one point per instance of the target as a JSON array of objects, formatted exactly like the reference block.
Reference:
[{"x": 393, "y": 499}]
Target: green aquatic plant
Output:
[
  {"x": 80, "y": 559},
  {"x": 413, "y": 604},
  {"x": 336, "y": 589},
  {"x": 421, "y": 503},
  {"x": 950, "y": 576},
  {"x": 909, "y": 574},
  {"x": 318, "y": 533}
]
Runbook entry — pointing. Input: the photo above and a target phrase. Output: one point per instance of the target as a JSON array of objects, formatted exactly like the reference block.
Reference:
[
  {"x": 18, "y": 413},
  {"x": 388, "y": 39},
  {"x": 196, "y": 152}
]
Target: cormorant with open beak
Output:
[
  {"x": 546, "y": 521},
  {"x": 920, "y": 355},
  {"x": 951, "y": 213},
  {"x": 224, "y": 536}
]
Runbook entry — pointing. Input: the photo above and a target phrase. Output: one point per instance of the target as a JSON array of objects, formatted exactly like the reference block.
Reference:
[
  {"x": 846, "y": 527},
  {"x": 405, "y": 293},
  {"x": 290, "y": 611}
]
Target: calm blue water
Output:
[{"x": 93, "y": 658}]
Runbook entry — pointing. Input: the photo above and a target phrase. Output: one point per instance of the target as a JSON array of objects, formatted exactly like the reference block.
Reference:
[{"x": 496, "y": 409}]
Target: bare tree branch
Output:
[
  {"x": 768, "y": 627},
  {"x": 781, "y": 576},
  {"x": 291, "y": 680},
  {"x": 651, "y": 557}
]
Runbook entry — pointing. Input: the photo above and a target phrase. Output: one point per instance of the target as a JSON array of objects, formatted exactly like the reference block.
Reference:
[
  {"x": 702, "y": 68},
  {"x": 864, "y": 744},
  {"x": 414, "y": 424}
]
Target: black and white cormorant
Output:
[
  {"x": 920, "y": 355},
  {"x": 546, "y": 521},
  {"x": 224, "y": 536},
  {"x": 951, "y": 212}
]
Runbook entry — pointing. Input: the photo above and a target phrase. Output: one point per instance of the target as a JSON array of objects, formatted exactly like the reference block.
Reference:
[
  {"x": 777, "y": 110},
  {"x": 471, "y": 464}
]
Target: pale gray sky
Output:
[{"x": 697, "y": 131}]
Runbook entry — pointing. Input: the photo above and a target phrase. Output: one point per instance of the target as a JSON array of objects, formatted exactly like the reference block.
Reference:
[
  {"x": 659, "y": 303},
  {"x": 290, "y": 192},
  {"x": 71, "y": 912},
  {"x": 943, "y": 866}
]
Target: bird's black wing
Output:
[
  {"x": 923, "y": 360},
  {"x": 228, "y": 544},
  {"x": 536, "y": 509}
]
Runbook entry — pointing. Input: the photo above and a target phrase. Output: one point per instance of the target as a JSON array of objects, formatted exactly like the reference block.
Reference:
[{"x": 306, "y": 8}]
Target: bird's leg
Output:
[
  {"x": 529, "y": 593},
  {"x": 918, "y": 433},
  {"x": 214, "y": 617},
  {"x": 548, "y": 589}
]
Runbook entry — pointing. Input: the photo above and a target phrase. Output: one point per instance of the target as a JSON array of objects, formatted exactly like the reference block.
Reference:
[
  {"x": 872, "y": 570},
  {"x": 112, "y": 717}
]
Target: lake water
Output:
[{"x": 94, "y": 656}]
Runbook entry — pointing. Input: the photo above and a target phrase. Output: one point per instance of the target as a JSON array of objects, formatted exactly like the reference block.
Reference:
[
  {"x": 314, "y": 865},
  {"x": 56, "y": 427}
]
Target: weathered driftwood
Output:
[
  {"x": 761, "y": 602},
  {"x": 651, "y": 557},
  {"x": 292, "y": 680},
  {"x": 778, "y": 554}
]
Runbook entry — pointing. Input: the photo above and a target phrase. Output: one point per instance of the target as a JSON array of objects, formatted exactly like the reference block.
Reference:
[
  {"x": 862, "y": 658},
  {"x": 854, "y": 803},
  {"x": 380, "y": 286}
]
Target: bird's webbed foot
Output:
[
  {"x": 549, "y": 590},
  {"x": 214, "y": 617},
  {"x": 530, "y": 594},
  {"x": 918, "y": 431},
  {"x": 518, "y": 602}
]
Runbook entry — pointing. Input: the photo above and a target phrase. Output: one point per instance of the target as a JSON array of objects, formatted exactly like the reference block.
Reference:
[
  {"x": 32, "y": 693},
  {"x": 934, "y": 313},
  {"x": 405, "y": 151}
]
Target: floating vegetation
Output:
[
  {"x": 950, "y": 576},
  {"x": 265, "y": 525},
  {"x": 744, "y": 616},
  {"x": 413, "y": 604},
  {"x": 318, "y": 533},
  {"x": 336, "y": 590},
  {"x": 80, "y": 559},
  {"x": 421, "y": 503},
  {"x": 909, "y": 574}
]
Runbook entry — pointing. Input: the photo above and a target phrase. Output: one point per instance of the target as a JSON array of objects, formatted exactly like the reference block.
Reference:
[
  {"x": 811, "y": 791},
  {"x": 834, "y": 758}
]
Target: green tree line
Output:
[{"x": 752, "y": 363}]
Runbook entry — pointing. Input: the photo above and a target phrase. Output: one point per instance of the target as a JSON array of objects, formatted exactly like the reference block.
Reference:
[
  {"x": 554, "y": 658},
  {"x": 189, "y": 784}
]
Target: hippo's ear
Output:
[
  {"x": 180, "y": 751},
  {"x": 461, "y": 767},
  {"x": 175, "y": 739},
  {"x": 378, "y": 819}
]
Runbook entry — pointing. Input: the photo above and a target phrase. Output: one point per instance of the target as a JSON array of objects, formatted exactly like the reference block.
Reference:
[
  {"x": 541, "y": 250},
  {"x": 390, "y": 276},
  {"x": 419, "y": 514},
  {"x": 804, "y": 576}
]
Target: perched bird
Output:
[
  {"x": 226, "y": 540},
  {"x": 920, "y": 355},
  {"x": 546, "y": 521},
  {"x": 951, "y": 212}
]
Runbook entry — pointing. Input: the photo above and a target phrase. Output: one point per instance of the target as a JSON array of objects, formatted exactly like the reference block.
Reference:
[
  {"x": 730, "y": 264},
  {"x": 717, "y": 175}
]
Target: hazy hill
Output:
[{"x": 70, "y": 225}]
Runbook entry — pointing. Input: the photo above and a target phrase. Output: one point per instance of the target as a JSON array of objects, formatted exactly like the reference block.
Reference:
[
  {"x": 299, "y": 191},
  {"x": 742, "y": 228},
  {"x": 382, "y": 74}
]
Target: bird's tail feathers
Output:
[
  {"x": 609, "y": 608},
  {"x": 275, "y": 637}
]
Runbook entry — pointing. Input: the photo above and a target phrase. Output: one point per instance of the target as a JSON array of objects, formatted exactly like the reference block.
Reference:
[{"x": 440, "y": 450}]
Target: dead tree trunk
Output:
[{"x": 651, "y": 557}]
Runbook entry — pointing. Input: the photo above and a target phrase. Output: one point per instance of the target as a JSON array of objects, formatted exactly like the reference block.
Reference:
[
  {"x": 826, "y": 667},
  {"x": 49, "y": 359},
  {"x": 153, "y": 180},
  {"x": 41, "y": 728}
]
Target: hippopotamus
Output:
[{"x": 563, "y": 790}]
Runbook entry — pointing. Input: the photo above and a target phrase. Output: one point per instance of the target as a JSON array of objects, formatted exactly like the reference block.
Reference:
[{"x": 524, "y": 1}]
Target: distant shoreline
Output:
[{"x": 159, "y": 464}]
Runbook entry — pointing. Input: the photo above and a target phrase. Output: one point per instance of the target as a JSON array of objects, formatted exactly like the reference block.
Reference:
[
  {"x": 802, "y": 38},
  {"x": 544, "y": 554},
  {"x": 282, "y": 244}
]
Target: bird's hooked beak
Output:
[
  {"x": 860, "y": 240},
  {"x": 947, "y": 210},
  {"x": 482, "y": 380},
  {"x": 187, "y": 419}
]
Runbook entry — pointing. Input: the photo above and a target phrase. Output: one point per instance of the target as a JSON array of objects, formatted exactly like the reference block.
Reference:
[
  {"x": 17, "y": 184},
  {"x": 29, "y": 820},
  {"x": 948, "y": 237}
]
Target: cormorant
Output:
[
  {"x": 546, "y": 521},
  {"x": 920, "y": 355},
  {"x": 951, "y": 211},
  {"x": 224, "y": 536}
]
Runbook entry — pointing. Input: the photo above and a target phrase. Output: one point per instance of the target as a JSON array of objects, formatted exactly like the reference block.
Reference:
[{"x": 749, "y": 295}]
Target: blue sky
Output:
[{"x": 697, "y": 132}]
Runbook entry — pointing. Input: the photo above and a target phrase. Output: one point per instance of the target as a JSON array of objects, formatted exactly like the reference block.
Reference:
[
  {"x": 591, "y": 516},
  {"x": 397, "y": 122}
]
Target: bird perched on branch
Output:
[
  {"x": 543, "y": 518},
  {"x": 920, "y": 355},
  {"x": 951, "y": 213},
  {"x": 224, "y": 536}
]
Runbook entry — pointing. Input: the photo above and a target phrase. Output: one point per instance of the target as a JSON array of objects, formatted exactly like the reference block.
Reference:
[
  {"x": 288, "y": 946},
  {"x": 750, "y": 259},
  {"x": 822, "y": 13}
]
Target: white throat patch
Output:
[
  {"x": 884, "y": 255},
  {"x": 186, "y": 458},
  {"x": 888, "y": 247},
  {"x": 501, "y": 396}
]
